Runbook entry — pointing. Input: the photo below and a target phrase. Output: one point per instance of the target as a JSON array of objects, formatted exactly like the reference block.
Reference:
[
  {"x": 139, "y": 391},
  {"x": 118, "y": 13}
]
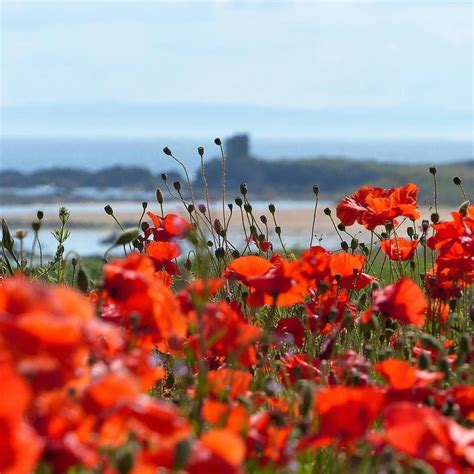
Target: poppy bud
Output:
[
  {"x": 354, "y": 244},
  {"x": 73, "y": 261},
  {"x": 277, "y": 230},
  {"x": 412, "y": 264},
  {"x": 164, "y": 177},
  {"x": 425, "y": 225},
  {"x": 202, "y": 208},
  {"x": 463, "y": 208},
  {"x": 362, "y": 300},
  {"x": 444, "y": 367},
  {"x": 159, "y": 195},
  {"x": 434, "y": 217},
  {"x": 431, "y": 342},
  {"x": 253, "y": 230},
  {"x": 167, "y": 151},
  {"x": 465, "y": 344},
  {"x": 188, "y": 264},
  {"x": 433, "y": 170},
  {"x": 82, "y": 281},
  {"x": 36, "y": 226},
  {"x": 457, "y": 181},
  {"x": 217, "y": 225},
  {"x": 410, "y": 231},
  {"x": 235, "y": 253},
  {"x": 218, "y": 141},
  {"x": 230, "y": 206},
  {"x": 323, "y": 286},
  {"x": 238, "y": 201},
  {"x": 271, "y": 208},
  {"x": 191, "y": 208},
  {"x": 452, "y": 305},
  {"x": 182, "y": 454},
  {"x": 327, "y": 211},
  {"x": 209, "y": 243},
  {"x": 144, "y": 226},
  {"x": 263, "y": 219},
  {"x": 248, "y": 207},
  {"x": 144, "y": 205},
  {"x": 344, "y": 246},
  {"x": 127, "y": 236},
  {"x": 40, "y": 215},
  {"x": 108, "y": 210},
  {"x": 316, "y": 190},
  {"x": 307, "y": 397},
  {"x": 389, "y": 226},
  {"x": 341, "y": 227},
  {"x": 243, "y": 189},
  {"x": 424, "y": 361},
  {"x": 177, "y": 185},
  {"x": 201, "y": 151}
]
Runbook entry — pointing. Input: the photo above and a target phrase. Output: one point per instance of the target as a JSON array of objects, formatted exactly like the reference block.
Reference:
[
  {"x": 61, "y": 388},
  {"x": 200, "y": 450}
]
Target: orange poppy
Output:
[{"x": 399, "y": 248}]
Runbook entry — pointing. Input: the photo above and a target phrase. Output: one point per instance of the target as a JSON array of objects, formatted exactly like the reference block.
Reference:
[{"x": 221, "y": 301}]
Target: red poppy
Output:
[
  {"x": 162, "y": 254},
  {"x": 167, "y": 228},
  {"x": 376, "y": 206},
  {"x": 399, "y": 248},
  {"x": 403, "y": 301},
  {"x": 423, "y": 433},
  {"x": 345, "y": 415},
  {"x": 348, "y": 268}
]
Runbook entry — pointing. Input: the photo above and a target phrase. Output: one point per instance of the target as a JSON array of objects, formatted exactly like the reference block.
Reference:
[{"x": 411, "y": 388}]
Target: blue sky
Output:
[{"x": 281, "y": 54}]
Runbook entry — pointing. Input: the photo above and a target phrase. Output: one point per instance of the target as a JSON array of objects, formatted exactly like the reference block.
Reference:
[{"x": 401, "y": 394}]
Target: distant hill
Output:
[{"x": 281, "y": 179}]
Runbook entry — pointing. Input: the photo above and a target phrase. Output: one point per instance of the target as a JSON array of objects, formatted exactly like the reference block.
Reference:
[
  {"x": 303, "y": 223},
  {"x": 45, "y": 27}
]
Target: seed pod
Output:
[
  {"x": 457, "y": 181},
  {"x": 433, "y": 170}
]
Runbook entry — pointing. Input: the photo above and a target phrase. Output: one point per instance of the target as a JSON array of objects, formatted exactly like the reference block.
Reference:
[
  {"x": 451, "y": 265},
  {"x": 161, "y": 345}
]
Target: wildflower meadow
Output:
[{"x": 183, "y": 351}]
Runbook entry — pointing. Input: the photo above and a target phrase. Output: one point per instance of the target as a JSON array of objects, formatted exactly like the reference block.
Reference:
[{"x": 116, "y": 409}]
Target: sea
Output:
[{"x": 26, "y": 154}]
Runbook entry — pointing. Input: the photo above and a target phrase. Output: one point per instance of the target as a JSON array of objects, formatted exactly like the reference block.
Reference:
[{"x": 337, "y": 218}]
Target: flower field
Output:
[{"x": 191, "y": 353}]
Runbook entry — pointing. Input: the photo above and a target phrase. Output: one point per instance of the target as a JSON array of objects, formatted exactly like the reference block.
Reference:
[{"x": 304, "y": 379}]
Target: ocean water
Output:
[{"x": 33, "y": 154}]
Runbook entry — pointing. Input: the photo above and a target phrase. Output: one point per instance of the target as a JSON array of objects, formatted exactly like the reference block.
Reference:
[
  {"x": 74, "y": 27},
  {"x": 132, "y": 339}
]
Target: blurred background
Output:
[{"x": 337, "y": 94}]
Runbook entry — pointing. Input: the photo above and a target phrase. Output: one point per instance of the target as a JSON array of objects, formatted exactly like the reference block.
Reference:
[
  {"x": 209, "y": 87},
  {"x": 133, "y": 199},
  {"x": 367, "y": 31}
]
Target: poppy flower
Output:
[
  {"x": 401, "y": 375},
  {"x": 348, "y": 268},
  {"x": 345, "y": 415},
  {"x": 162, "y": 254},
  {"x": 211, "y": 455},
  {"x": 372, "y": 206},
  {"x": 167, "y": 228},
  {"x": 291, "y": 329},
  {"x": 403, "y": 301},
  {"x": 228, "y": 382},
  {"x": 399, "y": 248},
  {"x": 423, "y": 433}
]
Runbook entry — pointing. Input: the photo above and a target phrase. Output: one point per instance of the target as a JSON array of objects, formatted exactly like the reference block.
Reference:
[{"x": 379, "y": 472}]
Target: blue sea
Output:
[{"x": 22, "y": 154}]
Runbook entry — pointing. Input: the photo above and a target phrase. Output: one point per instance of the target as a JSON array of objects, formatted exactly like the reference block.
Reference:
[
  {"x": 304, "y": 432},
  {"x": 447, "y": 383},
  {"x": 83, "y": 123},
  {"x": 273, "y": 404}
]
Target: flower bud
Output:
[
  {"x": 188, "y": 264},
  {"x": 243, "y": 189},
  {"x": 144, "y": 226},
  {"x": 424, "y": 361},
  {"x": 271, "y": 208},
  {"x": 433, "y": 170},
  {"x": 202, "y": 208},
  {"x": 457, "y": 181},
  {"x": 144, "y": 205},
  {"x": 164, "y": 177},
  {"x": 238, "y": 201},
  {"x": 248, "y": 207},
  {"x": 278, "y": 230},
  {"x": 344, "y": 246},
  {"x": 327, "y": 211},
  {"x": 177, "y": 185},
  {"x": 434, "y": 217},
  {"x": 235, "y": 253},
  {"x": 167, "y": 151},
  {"x": 159, "y": 196},
  {"x": 230, "y": 206},
  {"x": 263, "y": 219},
  {"x": 341, "y": 227},
  {"x": 201, "y": 151},
  {"x": 354, "y": 244},
  {"x": 316, "y": 190},
  {"x": 217, "y": 225},
  {"x": 220, "y": 253},
  {"x": 218, "y": 141},
  {"x": 108, "y": 210},
  {"x": 40, "y": 215},
  {"x": 425, "y": 225}
]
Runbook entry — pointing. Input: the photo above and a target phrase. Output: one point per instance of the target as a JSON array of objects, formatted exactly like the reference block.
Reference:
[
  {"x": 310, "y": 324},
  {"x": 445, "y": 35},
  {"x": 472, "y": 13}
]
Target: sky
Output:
[{"x": 281, "y": 54}]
